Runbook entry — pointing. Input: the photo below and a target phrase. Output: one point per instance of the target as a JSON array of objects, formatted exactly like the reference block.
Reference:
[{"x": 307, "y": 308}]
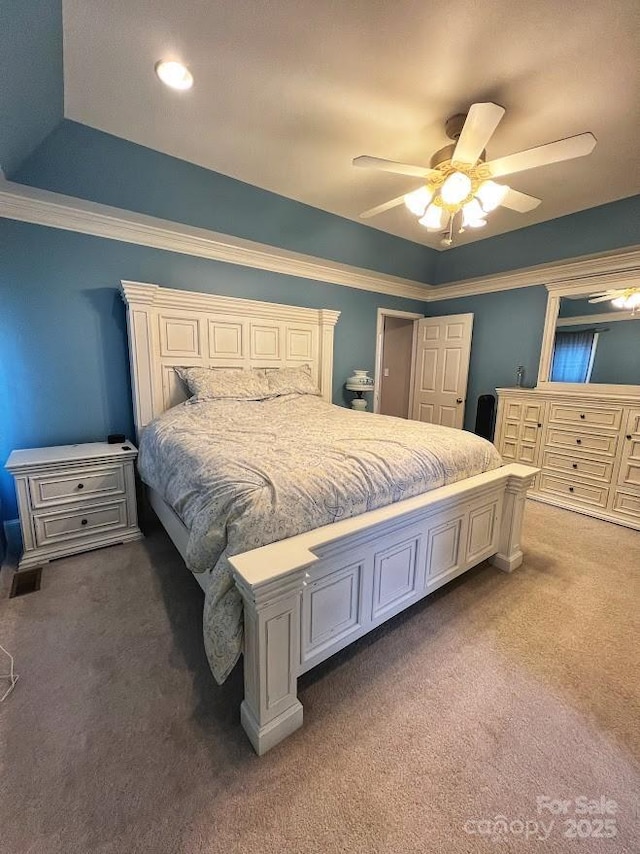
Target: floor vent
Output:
[{"x": 27, "y": 581}]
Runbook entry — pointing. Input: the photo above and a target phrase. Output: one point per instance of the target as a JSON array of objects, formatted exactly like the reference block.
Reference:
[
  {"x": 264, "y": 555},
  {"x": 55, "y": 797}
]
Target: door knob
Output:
[{"x": 459, "y": 400}]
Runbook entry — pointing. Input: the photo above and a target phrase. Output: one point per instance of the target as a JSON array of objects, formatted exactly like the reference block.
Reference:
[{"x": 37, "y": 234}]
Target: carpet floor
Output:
[{"x": 495, "y": 692}]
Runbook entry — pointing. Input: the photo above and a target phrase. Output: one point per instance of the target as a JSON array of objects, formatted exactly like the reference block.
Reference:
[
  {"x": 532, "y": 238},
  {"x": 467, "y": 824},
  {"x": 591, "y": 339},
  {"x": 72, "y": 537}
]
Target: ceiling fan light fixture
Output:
[
  {"x": 491, "y": 195},
  {"x": 417, "y": 201},
  {"x": 630, "y": 301},
  {"x": 434, "y": 218},
  {"x": 455, "y": 188}
]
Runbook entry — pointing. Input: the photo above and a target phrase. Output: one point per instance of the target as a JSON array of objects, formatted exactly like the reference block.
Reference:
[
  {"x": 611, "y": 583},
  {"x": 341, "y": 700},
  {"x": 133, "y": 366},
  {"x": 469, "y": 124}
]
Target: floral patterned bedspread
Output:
[{"x": 242, "y": 474}]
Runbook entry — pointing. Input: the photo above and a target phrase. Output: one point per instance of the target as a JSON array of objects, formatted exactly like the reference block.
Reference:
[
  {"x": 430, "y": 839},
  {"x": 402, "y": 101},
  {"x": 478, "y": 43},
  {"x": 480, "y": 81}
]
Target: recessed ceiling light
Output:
[{"x": 174, "y": 74}]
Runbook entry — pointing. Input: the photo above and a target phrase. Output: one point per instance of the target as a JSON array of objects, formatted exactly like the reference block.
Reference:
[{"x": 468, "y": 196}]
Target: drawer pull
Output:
[
  {"x": 539, "y": 425},
  {"x": 578, "y": 441},
  {"x": 582, "y": 415},
  {"x": 84, "y": 522},
  {"x": 570, "y": 489},
  {"x": 629, "y": 436},
  {"x": 81, "y": 486},
  {"x": 574, "y": 465}
]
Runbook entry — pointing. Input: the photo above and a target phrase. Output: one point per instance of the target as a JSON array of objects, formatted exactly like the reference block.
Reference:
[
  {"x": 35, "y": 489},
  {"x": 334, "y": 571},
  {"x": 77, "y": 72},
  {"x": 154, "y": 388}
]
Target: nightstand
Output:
[{"x": 73, "y": 498}]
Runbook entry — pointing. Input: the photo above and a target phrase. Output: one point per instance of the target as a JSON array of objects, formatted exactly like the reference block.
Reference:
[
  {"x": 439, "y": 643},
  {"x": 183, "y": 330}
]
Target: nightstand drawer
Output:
[
  {"x": 64, "y": 486},
  {"x": 79, "y": 522}
]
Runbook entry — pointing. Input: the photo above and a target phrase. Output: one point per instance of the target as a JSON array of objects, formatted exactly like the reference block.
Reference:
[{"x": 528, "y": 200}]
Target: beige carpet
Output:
[{"x": 494, "y": 691}]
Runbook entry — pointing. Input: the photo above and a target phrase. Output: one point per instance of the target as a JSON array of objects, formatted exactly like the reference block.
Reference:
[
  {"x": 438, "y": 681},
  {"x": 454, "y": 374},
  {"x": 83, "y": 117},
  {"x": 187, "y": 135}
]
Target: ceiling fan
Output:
[
  {"x": 627, "y": 298},
  {"x": 458, "y": 187}
]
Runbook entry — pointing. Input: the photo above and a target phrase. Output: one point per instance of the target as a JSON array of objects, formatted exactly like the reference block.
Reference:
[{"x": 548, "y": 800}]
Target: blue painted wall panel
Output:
[
  {"x": 31, "y": 77},
  {"x": 79, "y": 161},
  {"x": 599, "y": 229},
  {"x": 64, "y": 374}
]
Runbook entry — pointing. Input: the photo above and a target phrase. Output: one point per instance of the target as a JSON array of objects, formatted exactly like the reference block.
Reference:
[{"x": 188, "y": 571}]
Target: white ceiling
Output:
[{"x": 287, "y": 92}]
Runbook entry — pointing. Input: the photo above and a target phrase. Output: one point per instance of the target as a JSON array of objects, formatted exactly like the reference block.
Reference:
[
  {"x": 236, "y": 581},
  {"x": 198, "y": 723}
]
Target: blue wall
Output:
[
  {"x": 64, "y": 374},
  {"x": 31, "y": 78},
  {"x": 617, "y": 357},
  {"x": 599, "y": 229},
  {"x": 507, "y": 332},
  {"x": 79, "y": 161}
]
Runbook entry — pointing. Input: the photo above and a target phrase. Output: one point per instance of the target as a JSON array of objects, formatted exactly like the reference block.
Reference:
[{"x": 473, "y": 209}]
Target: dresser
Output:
[
  {"x": 73, "y": 498},
  {"x": 586, "y": 446}
]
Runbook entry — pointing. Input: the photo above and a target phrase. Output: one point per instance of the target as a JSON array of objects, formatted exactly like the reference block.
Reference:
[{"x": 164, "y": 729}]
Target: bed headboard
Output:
[{"x": 170, "y": 328}]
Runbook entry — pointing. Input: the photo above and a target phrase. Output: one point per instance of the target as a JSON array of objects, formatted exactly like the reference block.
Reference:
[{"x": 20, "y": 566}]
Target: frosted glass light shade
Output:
[
  {"x": 434, "y": 218},
  {"x": 418, "y": 200},
  {"x": 473, "y": 215},
  {"x": 456, "y": 188},
  {"x": 491, "y": 195}
]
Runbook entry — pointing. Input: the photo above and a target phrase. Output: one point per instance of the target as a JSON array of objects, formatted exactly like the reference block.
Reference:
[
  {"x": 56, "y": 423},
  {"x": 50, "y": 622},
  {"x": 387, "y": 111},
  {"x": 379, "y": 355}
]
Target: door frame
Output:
[{"x": 377, "y": 373}]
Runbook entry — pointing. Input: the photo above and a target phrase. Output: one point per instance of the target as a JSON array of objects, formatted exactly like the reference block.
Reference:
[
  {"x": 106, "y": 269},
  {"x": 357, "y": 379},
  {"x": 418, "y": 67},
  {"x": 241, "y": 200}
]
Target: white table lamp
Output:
[{"x": 360, "y": 383}]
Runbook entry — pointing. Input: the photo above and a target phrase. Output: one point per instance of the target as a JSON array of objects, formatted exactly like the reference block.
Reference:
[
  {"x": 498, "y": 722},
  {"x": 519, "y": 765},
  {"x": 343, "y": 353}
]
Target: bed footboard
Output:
[{"x": 309, "y": 596}]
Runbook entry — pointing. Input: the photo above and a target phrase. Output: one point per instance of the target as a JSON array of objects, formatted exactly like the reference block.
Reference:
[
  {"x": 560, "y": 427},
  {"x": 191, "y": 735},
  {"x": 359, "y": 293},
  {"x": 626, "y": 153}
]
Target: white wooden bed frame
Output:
[{"x": 309, "y": 596}]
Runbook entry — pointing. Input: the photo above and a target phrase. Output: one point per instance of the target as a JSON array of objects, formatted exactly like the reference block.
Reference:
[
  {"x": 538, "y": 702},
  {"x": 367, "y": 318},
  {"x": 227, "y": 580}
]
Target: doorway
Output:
[{"x": 394, "y": 352}]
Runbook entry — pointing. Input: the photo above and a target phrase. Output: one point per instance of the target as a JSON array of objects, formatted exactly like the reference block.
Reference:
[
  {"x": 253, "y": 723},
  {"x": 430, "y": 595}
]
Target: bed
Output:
[{"x": 307, "y": 525}]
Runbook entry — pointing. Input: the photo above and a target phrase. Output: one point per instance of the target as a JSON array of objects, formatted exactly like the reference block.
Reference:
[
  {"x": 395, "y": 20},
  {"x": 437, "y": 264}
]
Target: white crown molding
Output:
[
  {"x": 41, "y": 207},
  {"x": 597, "y": 270},
  {"x": 590, "y": 319}
]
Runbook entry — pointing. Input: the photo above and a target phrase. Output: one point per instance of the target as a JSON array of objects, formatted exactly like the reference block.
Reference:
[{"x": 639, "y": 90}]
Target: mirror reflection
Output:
[{"x": 596, "y": 343}]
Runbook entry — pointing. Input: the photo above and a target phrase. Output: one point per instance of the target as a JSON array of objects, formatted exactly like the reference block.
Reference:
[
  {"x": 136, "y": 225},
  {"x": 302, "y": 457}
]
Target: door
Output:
[{"x": 441, "y": 369}]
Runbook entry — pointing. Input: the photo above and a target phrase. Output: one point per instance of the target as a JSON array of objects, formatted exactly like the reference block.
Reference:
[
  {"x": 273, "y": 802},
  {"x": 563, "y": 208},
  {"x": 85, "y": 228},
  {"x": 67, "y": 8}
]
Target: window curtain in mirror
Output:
[{"x": 573, "y": 356}]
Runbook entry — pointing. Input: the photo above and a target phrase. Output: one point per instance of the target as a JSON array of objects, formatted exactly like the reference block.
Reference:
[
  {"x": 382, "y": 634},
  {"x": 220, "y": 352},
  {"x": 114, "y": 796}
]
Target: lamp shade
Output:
[{"x": 360, "y": 381}]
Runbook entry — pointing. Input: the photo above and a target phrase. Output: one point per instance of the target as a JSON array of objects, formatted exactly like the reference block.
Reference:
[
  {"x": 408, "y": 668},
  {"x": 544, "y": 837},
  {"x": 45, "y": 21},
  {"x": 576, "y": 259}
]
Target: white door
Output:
[{"x": 441, "y": 369}]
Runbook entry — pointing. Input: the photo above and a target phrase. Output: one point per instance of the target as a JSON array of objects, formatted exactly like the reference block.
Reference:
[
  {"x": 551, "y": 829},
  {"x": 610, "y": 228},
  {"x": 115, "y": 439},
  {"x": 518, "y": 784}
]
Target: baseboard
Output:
[{"x": 13, "y": 537}]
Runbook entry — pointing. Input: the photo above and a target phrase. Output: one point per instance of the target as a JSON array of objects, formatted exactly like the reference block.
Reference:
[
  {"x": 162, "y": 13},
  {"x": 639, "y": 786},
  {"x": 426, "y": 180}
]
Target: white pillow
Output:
[
  {"x": 291, "y": 381},
  {"x": 224, "y": 383}
]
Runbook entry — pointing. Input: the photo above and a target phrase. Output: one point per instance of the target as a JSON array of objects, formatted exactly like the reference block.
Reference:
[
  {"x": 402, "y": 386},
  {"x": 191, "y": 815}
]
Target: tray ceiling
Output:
[{"x": 286, "y": 93}]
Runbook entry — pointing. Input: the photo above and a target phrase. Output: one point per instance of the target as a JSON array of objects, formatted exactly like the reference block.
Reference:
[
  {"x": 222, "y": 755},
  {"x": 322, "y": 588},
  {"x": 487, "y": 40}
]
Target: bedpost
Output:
[
  {"x": 328, "y": 320},
  {"x": 509, "y": 555},
  {"x": 271, "y": 710}
]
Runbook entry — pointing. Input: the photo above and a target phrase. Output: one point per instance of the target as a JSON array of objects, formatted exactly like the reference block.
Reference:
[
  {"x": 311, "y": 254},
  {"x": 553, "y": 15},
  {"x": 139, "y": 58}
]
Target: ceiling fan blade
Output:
[
  {"x": 542, "y": 155},
  {"x": 607, "y": 298},
  {"x": 481, "y": 122},
  {"x": 382, "y": 165},
  {"x": 521, "y": 202},
  {"x": 385, "y": 206},
  {"x": 610, "y": 292}
]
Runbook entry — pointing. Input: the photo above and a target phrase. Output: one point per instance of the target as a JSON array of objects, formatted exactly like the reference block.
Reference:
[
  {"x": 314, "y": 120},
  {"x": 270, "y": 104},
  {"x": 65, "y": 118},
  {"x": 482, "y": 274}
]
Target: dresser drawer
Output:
[
  {"x": 627, "y": 505},
  {"x": 46, "y": 490},
  {"x": 573, "y": 490},
  {"x": 568, "y": 464},
  {"x": 603, "y": 417},
  {"x": 78, "y": 522},
  {"x": 598, "y": 443}
]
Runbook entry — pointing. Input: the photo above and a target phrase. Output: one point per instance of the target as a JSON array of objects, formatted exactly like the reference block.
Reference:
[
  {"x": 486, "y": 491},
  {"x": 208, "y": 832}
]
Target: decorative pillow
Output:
[
  {"x": 291, "y": 381},
  {"x": 224, "y": 383}
]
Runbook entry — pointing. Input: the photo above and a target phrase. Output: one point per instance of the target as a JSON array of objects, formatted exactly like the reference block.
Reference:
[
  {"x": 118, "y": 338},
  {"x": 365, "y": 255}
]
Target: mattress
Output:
[{"x": 241, "y": 474}]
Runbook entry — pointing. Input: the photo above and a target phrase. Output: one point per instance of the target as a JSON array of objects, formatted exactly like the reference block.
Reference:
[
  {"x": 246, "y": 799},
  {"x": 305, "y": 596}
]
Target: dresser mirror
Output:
[{"x": 590, "y": 345}]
